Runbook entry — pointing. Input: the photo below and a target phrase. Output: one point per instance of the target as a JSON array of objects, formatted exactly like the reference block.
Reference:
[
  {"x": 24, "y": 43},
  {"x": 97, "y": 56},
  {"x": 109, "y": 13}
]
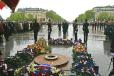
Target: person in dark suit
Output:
[
  {"x": 6, "y": 31},
  {"x": 112, "y": 48},
  {"x": 65, "y": 29},
  {"x": 86, "y": 31},
  {"x": 111, "y": 34},
  {"x": 75, "y": 29},
  {"x": 1, "y": 31},
  {"x": 59, "y": 27},
  {"x": 49, "y": 29},
  {"x": 36, "y": 28}
]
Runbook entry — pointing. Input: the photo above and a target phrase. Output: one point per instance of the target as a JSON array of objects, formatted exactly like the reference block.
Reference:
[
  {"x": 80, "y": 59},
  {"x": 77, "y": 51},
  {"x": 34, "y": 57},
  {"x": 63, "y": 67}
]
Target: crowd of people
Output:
[
  {"x": 7, "y": 28},
  {"x": 99, "y": 25}
]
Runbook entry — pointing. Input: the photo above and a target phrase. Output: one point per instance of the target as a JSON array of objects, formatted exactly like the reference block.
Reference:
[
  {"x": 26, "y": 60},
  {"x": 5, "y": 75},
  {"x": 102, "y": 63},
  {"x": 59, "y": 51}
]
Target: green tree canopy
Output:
[
  {"x": 81, "y": 17},
  {"x": 89, "y": 14},
  {"x": 19, "y": 16},
  {"x": 103, "y": 16},
  {"x": 29, "y": 17},
  {"x": 54, "y": 16}
]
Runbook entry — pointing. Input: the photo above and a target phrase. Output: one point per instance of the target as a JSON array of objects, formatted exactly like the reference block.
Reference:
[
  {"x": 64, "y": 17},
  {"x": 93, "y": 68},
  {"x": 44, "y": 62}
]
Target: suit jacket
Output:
[
  {"x": 85, "y": 27},
  {"x": 36, "y": 27}
]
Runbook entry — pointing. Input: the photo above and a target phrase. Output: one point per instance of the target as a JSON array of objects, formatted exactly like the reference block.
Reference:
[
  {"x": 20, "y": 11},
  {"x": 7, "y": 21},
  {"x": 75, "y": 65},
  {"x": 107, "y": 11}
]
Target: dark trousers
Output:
[
  {"x": 75, "y": 36},
  {"x": 35, "y": 36},
  {"x": 6, "y": 35},
  {"x": 49, "y": 35},
  {"x": 1, "y": 39},
  {"x": 85, "y": 37},
  {"x": 59, "y": 28}
]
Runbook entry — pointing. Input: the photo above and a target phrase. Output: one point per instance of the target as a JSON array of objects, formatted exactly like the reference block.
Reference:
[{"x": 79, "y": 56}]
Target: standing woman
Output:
[
  {"x": 86, "y": 31},
  {"x": 49, "y": 29},
  {"x": 75, "y": 29}
]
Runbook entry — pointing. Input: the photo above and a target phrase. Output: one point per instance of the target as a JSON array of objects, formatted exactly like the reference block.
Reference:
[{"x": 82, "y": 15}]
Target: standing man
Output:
[
  {"x": 75, "y": 29},
  {"x": 59, "y": 26},
  {"x": 112, "y": 45},
  {"x": 36, "y": 28},
  {"x": 49, "y": 29},
  {"x": 108, "y": 30},
  {"x": 86, "y": 31},
  {"x": 112, "y": 38},
  {"x": 65, "y": 28},
  {"x": 1, "y": 31},
  {"x": 6, "y": 31}
]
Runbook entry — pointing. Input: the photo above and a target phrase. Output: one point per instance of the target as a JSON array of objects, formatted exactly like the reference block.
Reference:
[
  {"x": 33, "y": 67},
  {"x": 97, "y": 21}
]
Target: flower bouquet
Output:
[
  {"x": 42, "y": 70},
  {"x": 79, "y": 47},
  {"x": 40, "y": 47},
  {"x": 83, "y": 64},
  {"x": 60, "y": 42}
]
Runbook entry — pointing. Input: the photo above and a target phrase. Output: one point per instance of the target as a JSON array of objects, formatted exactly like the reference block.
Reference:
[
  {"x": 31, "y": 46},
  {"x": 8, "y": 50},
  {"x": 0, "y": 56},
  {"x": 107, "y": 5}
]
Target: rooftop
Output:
[
  {"x": 31, "y": 9},
  {"x": 105, "y": 7}
]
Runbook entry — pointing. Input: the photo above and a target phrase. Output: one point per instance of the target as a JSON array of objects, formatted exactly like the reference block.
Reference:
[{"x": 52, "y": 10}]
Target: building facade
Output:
[
  {"x": 37, "y": 13},
  {"x": 108, "y": 9}
]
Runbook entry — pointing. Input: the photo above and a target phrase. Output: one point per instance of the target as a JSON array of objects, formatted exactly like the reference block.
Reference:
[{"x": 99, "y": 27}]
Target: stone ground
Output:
[{"x": 97, "y": 46}]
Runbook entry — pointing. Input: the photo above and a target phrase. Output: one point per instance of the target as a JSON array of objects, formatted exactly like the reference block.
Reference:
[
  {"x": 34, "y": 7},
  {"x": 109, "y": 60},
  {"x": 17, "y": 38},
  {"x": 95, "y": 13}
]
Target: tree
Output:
[
  {"x": 103, "y": 16},
  {"x": 29, "y": 17},
  {"x": 89, "y": 14},
  {"x": 19, "y": 16},
  {"x": 54, "y": 16},
  {"x": 111, "y": 17},
  {"x": 81, "y": 17}
]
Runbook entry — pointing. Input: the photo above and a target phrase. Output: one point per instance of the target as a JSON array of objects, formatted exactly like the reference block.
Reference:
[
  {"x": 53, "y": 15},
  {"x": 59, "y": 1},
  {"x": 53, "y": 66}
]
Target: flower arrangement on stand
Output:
[
  {"x": 60, "y": 42},
  {"x": 83, "y": 64},
  {"x": 40, "y": 47}
]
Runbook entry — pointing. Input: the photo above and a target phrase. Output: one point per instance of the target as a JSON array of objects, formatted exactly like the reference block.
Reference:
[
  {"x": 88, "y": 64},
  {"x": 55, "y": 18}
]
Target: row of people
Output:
[
  {"x": 8, "y": 28},
  {"x": 98, "y": 25},
  {"x": 65, "y": 26}
]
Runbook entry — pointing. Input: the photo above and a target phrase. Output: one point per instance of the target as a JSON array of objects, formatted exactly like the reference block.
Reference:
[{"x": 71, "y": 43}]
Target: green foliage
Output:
[
  {"x": 81, "y": 17},
  {"x": 89, "y": 14},
  {"x": 19, "y": 16},
  {"x": 29, "y": 17},
  {"x": 54, "y": 16},
  {"x": 103, "y": 16}
]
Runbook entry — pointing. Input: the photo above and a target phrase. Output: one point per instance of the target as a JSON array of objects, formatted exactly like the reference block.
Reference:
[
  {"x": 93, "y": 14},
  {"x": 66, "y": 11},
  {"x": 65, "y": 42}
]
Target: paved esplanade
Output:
[{"x": 95, "y": 45}]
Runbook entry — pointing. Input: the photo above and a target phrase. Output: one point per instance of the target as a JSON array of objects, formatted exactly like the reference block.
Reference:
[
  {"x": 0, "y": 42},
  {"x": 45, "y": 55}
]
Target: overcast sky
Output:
[{"x": 68, "y": 9}]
